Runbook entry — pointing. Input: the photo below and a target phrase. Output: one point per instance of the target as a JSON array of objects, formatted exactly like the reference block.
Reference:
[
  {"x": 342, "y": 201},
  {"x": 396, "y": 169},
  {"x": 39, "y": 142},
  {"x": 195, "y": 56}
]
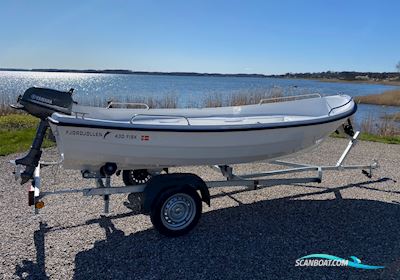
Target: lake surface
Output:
[{"x": 94, "y": 89}]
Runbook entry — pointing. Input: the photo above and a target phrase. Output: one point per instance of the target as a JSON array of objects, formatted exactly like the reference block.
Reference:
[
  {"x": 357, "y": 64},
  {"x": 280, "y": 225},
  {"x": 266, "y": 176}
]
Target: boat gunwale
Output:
[{"x": 198, "y": 128}]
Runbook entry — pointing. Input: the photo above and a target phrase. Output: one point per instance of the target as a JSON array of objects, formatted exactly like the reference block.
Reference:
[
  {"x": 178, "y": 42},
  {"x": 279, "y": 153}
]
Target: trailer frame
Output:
[{"x": 252, "y": 181}]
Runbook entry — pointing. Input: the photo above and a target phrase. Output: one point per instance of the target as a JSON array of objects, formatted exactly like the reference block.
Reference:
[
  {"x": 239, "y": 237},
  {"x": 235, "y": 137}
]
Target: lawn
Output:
[{"x": 17, "y": 132}]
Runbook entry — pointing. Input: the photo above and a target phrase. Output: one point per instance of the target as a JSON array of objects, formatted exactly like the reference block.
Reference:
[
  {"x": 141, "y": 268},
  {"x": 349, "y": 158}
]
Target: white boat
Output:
[
  {"x": 90, "y": 137},
  {"x": 102, "y": 142}
]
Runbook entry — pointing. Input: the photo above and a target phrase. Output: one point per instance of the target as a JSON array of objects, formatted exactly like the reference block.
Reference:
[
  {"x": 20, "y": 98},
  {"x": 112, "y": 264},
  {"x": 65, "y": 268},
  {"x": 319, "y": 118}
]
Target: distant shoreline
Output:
[
  {"x": 386, "y": 78},
  {"x": 129, "y": 72},
  {"x": 371, "y": 82}
]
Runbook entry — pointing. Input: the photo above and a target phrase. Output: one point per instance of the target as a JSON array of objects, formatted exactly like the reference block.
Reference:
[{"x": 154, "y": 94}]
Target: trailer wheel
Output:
[
  {"x": 176, "y": 211},
  {"x": 135, "y": 177}
]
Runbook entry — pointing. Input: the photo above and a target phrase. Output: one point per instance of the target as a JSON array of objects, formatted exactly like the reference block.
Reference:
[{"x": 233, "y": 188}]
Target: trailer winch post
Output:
[{"x": 351, "y": 144}]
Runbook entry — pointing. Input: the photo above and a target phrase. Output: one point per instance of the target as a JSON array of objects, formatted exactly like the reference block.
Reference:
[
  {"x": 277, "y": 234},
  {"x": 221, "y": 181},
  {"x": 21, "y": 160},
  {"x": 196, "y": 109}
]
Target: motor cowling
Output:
[{"x": 43, "y": 102}]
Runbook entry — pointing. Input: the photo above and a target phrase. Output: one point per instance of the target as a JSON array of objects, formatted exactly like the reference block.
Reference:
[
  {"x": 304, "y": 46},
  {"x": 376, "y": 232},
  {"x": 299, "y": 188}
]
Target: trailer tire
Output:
[{"x": 176, "y": 211}]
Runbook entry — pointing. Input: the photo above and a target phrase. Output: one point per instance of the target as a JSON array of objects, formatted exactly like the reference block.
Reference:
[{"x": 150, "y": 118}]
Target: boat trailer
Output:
[{"x": 174, "y": 200}]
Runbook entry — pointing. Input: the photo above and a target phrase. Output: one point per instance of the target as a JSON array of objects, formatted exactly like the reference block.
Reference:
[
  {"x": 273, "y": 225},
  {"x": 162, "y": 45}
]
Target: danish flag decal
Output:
[{"x": 145, "y": 138}]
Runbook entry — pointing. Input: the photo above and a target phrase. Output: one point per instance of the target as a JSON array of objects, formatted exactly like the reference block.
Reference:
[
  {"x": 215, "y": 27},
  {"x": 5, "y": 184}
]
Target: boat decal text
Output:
[
  {"x": 125, "y": 136},
  {"x": 108, "y": 134},
  {"x": 84, "y": 133}
]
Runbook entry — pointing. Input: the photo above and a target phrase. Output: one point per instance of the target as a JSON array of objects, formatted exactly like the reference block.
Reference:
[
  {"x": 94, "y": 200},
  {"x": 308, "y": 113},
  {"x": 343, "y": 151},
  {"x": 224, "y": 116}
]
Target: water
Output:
[{"x": 94, "y": 89}]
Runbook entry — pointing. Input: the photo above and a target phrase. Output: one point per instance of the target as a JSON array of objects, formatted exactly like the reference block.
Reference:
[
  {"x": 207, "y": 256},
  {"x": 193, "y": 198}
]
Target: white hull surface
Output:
[{"x": 157, "y": 138}]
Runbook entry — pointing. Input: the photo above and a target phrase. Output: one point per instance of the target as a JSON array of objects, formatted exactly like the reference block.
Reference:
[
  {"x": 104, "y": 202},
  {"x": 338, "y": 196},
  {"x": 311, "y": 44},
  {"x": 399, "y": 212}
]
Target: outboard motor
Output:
[{"x": 41, "y": 103}]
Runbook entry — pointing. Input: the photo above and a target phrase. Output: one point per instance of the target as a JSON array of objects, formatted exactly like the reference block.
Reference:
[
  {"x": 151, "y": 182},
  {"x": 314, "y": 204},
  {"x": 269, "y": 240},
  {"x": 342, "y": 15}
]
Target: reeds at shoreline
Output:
[
  {"x": 387, "y": 98},
  {"x": 394, "y": 117},
  {"x": 385, "y": 127}
]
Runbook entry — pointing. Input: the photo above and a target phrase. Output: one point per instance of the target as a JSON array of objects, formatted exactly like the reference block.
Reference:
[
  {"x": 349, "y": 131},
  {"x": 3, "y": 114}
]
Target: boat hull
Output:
[{"x": 87, "y": 148}]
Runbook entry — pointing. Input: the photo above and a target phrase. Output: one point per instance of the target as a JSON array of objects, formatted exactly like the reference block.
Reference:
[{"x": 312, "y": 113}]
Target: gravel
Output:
[{"x": 243, "y": 235}]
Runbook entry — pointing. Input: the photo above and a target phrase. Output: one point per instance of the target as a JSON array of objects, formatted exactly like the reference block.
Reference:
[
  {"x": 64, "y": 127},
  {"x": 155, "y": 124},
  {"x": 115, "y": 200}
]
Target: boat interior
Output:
[{"x": 265, "y": 112}]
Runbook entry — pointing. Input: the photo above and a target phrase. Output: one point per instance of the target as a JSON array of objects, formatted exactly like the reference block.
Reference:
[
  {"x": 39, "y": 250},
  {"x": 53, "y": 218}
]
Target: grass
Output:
[
  {"x": 390, "y": 139},
  {"x": 387, "y": 98},
  {"x": 364, "y": 136},
  {"x": 15, "y": 122},
  {"x": 17, "y": 132}
]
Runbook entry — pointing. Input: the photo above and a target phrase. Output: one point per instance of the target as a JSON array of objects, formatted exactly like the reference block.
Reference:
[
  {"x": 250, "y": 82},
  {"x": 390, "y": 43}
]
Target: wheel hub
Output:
[{"x": 178, "y": 211}]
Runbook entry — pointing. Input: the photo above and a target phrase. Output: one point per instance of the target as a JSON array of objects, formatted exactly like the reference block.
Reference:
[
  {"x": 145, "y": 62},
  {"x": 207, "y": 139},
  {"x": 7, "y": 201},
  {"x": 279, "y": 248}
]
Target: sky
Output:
[{"x": 213, "y": 36}]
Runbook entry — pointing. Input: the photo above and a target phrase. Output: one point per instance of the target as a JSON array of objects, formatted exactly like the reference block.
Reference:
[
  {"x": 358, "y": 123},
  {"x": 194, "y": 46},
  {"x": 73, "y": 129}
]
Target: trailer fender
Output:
[{"x": 157, "y": 184}]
